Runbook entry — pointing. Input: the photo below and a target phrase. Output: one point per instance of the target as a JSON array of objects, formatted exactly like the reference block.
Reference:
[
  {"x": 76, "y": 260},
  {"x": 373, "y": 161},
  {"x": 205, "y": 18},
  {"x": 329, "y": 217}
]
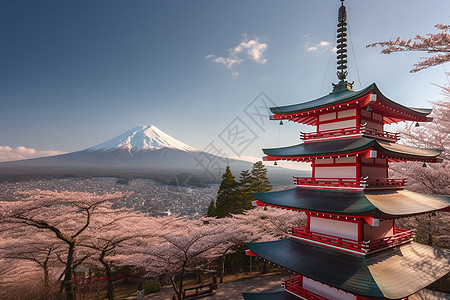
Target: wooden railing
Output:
[
  {"x": 378, "y": 133},
  {"x": 343, "y": 132},
  {"x": 361, "y": 183},
  {"x": 194, "y": 292},
  {"x": 294, "y": 285},
  {"x": 336, "y": 241},
  {"x": 400, "y": 236}
]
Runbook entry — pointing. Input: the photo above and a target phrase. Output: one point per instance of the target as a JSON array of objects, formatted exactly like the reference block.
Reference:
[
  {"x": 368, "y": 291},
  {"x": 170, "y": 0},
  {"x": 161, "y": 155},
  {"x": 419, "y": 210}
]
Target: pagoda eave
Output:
[
  {"x": 395, "y": 273},
  {"x": 358, "y": 146},
  {"x": 343, "y": 203},
  {"x": 307, "y": 112}
]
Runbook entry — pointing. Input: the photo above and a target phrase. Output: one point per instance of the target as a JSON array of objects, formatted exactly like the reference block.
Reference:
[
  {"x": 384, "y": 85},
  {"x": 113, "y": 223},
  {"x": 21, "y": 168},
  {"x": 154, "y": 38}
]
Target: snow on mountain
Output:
[{"x": 142, "y": 138}]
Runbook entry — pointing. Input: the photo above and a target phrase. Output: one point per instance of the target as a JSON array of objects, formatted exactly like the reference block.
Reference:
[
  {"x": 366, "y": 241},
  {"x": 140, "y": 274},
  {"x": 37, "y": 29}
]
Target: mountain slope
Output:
[{"x": 144, "y": 151}]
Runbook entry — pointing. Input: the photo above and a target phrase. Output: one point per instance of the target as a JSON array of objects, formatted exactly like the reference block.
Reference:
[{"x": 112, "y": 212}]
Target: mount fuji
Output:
[
  {"x": 143, "y": 138},
  {"x": 144, "y": 151}
]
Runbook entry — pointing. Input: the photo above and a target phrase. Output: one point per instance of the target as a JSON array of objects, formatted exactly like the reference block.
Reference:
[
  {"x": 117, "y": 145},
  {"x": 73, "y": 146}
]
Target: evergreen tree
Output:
[
  {"x": 227, "y": 195},
  {"x": 260, "y": 181},
  {"x": 211, "y": 209},
  {"x": 245, "y": 185}
]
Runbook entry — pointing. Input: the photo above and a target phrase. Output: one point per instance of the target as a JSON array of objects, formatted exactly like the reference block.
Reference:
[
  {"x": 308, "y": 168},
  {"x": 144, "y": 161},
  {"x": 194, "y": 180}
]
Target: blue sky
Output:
[{"x": 76, "y": 73}]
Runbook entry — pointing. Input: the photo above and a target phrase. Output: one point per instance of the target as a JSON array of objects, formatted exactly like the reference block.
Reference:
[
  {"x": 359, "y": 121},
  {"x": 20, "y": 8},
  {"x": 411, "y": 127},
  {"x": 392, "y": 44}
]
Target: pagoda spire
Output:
[{"x": 342, "y": 51}]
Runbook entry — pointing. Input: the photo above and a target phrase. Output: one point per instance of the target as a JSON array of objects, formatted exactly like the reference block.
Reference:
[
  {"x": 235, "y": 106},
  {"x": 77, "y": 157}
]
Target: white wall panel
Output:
[
  {"x": 366, "y": 113},
  {"x": 346, "y": 113},
  {"x": 380, "y": 161},
  {"x": 337, "y": 125},
  {"x": 373, "y": 172},
  {"x": 326, "y": 290},
  {"x": 372, "y": 125},
  {"x": 335, "y": 172},
  {"x": 346, "y": 160},
  {"x": 324, "y": 161},
  {"x": 326, "y": 117},
  {"x": 377, "y": 117},
  {"x": 333, "y": 227}
]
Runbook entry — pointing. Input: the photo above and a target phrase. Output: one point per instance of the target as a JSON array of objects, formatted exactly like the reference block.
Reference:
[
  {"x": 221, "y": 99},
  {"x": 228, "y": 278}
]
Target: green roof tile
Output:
[
  {"x": 383, "y": 203},
  {"x": 393, "y": 274},
  {"x": 343, "y": 97},
  {"x": 351, "y": 145}
]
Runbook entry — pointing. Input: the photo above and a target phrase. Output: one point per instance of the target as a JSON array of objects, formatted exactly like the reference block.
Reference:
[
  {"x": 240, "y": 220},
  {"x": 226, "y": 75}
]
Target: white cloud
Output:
[
  {"x": 252, "y": 49},
  {"x": 322, "y": 46},
  {"x": 229, "y": 62},
  {"x": 8, "y": 153}
]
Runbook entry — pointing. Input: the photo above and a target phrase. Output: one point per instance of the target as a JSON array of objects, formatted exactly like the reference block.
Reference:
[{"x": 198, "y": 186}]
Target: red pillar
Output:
[
  {"x": 358, "y": 166},
  {"x": 308, "y": 221},
  {"x": 360, "y": 230}
]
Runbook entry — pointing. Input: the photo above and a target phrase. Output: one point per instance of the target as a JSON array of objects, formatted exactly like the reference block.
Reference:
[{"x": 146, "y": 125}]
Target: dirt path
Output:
[{"x": 230, "y": 290}]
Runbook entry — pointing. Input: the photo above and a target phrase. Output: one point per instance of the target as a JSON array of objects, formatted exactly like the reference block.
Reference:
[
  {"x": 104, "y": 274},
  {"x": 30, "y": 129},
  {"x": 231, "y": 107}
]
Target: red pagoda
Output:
[{"x": 350, "y": 247}]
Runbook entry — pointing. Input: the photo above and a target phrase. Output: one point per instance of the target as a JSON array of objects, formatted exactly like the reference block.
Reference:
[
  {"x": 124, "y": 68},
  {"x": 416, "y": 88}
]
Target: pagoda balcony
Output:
[
  {"x": 349, "y": 133},
  {"x": 350, "y": 183},
  {"x": 401, "y": 236},
  {"x": 293, "y": 285}
]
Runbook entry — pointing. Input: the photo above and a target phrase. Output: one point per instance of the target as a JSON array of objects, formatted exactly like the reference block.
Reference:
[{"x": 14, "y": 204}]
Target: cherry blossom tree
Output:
[
  {"x": 257, "y": 224},
  {"x": 433, "y": 178},
  {"x": 34, "y": 246},
  {"x": 438, "y": 45},
  {"x": 181, "y": 246},
  {"x": 111, "y": 232},
  {"x": 236, "y": 233},
  {"x": 269, "y": 224},
  {"x": 64, "y": 214}
]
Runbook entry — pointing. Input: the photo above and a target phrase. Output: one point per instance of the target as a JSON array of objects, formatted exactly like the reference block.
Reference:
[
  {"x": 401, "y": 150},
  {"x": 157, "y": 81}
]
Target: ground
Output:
[{"x": 231, "y": 290}]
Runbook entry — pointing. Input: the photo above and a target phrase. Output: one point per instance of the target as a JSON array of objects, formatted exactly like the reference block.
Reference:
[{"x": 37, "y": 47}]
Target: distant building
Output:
[{"x": 160, "y": 213}]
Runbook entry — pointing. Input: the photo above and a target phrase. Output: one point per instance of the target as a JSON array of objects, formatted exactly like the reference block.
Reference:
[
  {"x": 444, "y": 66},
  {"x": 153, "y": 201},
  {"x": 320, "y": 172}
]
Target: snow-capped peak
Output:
[{"x": 143, "y": 137}]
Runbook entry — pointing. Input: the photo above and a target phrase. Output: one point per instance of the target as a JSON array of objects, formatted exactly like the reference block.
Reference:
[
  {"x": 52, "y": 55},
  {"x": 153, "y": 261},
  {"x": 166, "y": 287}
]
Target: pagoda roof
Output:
[
  {"x": 380, "y": 203},
  {"x": 395, "y": 273},
  {"x": 344, "y": 97},
  {"x": 349, "y": 146}
]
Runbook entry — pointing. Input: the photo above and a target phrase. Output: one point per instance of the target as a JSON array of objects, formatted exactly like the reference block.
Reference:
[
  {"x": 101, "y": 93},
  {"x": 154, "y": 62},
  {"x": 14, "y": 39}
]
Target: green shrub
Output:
[{"x": 152, "y": 287}]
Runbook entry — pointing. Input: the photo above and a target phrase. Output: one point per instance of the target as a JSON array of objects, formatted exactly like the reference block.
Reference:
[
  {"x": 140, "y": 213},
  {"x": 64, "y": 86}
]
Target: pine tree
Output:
[
  {"x": 211, "y": 209},
  {"x": 245, "y": 185},
  {"x": 260, "y": 181},
  {"x": 227, "y": 195}
]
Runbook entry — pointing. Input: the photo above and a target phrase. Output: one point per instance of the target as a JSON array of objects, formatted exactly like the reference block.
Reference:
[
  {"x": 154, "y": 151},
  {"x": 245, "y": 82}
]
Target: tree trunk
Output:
[
  {"x": 180, "y": 288},
  {"x": 68, "y": 288},
  {"x": 264, "y": 267},
  {"x": 180, "y": 284},
  {"x": 46, "y": 279},
  {"x": 222, "y": 267},
  {"x": 430, "y": 238},
  {"x": 109, "y": 277}
]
